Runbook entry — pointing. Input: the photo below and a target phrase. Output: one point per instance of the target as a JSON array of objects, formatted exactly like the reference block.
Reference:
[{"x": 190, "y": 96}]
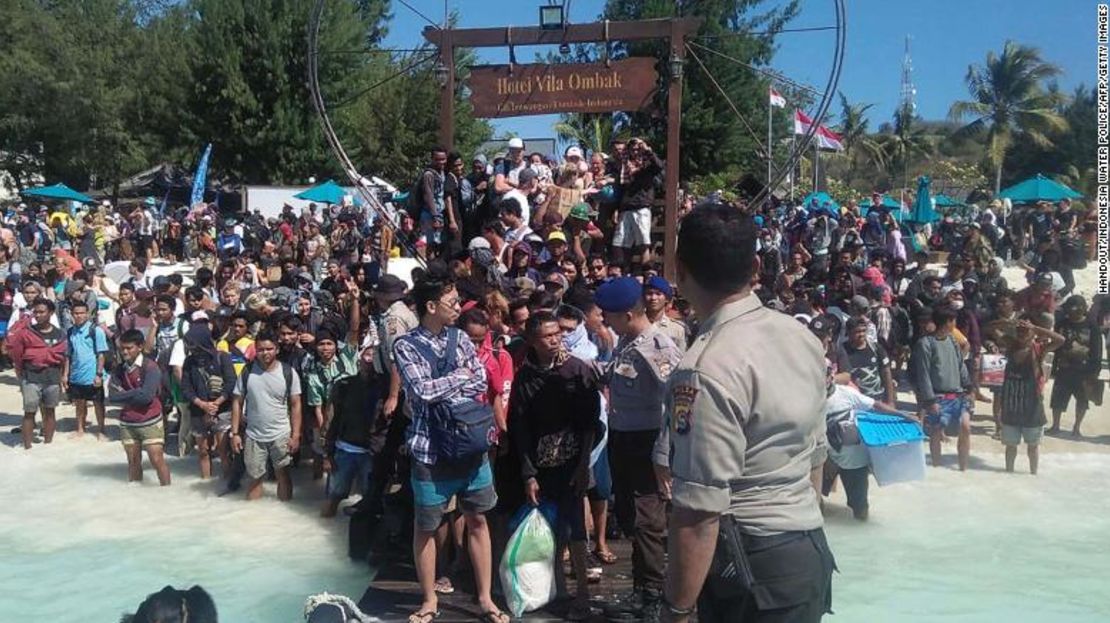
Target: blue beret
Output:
[
  {"x": 618, "y": 295},
  {"x": 660, "y": 284}
]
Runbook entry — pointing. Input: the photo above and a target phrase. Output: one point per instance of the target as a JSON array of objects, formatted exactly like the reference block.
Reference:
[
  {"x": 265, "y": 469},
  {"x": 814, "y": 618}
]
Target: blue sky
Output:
[{"x": 947, "y": 36}]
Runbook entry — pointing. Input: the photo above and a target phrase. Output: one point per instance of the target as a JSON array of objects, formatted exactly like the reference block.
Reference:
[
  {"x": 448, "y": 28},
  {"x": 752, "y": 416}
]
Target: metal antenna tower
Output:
[{"x": 909, "y": 92}]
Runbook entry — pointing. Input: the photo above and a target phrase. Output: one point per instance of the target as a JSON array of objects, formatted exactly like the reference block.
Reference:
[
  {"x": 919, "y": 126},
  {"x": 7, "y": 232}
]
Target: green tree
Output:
[
  {"x": 905, "y": 142},
  {"x": 1008, "y": 98},
  {"x": 714, "y": 138},
  {"x": 592, "y": 132},
  {"x": 853, "y": 130}
]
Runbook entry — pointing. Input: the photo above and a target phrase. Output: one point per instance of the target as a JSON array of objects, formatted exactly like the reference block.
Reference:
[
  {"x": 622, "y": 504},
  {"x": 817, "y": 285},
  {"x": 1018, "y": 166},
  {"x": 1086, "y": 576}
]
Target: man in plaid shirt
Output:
[{"x": 436, "y": 480}]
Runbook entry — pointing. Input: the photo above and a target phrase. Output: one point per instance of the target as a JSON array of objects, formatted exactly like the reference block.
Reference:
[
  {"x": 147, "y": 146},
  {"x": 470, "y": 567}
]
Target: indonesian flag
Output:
[
  {"x": 826, "y": 138},
  {"x": 777, "y": 100}
]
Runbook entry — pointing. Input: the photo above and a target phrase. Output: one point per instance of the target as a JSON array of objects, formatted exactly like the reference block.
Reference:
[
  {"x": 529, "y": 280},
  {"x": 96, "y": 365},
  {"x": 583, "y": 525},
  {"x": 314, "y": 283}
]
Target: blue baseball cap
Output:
[{"x": 618, "y": 295}]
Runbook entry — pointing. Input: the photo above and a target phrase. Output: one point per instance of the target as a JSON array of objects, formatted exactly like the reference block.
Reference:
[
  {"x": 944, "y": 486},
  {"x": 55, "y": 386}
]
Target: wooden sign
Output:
[{"x": 624, "y": 85}]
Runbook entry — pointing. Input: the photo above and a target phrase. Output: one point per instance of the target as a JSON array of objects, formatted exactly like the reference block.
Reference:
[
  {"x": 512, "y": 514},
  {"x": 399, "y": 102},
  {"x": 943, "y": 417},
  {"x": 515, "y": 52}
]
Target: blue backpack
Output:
[{"x": 460, "y": 429}]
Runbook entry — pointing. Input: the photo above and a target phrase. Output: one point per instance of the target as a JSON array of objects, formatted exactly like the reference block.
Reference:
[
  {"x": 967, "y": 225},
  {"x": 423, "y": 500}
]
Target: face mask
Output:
[{"x": 957, "y": 305}]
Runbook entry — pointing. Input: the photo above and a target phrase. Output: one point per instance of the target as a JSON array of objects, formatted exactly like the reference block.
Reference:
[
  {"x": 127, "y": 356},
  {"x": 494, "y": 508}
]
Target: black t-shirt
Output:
[{"x": 866, "y": 365}]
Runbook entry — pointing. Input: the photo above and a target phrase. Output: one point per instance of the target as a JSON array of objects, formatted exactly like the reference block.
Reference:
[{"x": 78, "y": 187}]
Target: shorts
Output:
[
  {"x": 37, "y": 395},
  {"x": 633, "y": 228},
  {"x": 1012, "y": 435},
  {"x": 146, "y": 243},
  {"x": 953, "y": 412},
  {"x": 217, "y": 426},
  {"x": 255, "y": 454},
  {"x": 347, "y": 467},
  {"x": 1064, "y": 387},
  {"x": 601, "y": 482},
  {"x": 434, "y": 485},
  {"x": 152, "y": 434},
  {"x": 86, "y": 392}
]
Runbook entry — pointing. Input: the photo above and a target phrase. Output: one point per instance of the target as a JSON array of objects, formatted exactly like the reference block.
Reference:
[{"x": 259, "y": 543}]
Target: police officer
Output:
[
  {"x": 392, "y": 319},
  {"x": 637, "y": 379},
  {"x": 744, "y": 410},
  {"x": 657, "y": 295}
]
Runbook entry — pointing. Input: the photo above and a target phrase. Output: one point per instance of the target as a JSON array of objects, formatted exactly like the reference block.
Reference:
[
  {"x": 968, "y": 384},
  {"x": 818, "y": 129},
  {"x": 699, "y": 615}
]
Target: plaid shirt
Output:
[{"x": 466, "y": 382}]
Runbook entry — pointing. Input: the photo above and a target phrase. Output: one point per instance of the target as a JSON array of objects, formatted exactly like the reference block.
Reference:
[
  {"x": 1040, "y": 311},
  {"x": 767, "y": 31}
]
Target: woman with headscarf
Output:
[{"x": 207, "y": 381}]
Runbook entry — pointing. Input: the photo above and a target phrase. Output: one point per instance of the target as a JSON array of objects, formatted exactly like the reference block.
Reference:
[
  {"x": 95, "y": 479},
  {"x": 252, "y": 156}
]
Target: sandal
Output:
[
  {"x": 443, "y": 586},
  {"x": 606, "y": 557},
  {"x": 424, "y": 616},
  {"x": 579, "y": 612},
  {"x": 495, "y": 616}
]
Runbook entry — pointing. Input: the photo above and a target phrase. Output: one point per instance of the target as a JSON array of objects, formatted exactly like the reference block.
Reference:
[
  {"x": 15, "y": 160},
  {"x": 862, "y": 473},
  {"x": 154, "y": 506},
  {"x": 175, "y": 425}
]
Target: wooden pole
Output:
[
  {"x": 674, "y": 119},
  {"x": 447, "y": 92}
]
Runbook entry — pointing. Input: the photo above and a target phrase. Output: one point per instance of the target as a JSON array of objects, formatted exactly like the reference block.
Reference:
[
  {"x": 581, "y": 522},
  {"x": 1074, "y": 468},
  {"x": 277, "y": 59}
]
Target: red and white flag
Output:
[
  {"x": 825, "y": 138},
  {"x": 777, "y": 100}
]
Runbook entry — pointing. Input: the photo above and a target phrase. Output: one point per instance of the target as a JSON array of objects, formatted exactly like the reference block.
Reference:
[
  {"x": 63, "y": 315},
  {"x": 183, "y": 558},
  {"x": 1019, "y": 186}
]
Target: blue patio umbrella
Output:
[
  {"x": 922, "y": 210},
  {"x": 815, "y": 202},
  {"x": 1038, "y": 188},
  {"x": 57, "y": 191},
  {"x": 328, "y": 192},
  {"x": 944, "y": 201}
]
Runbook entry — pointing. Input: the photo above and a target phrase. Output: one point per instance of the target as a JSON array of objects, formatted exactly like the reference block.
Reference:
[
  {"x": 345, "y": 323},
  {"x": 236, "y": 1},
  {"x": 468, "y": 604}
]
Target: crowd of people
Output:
[{"x": 532, "y": 358}]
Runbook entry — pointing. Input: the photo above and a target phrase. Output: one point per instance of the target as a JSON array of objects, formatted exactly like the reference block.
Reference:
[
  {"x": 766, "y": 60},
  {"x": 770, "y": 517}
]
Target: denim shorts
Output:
[
  {"x": 433, "y": 486},
  {"x": 347, "y": 467},
  {"x": 952, "y": 413},
  {"x": 37, "y": 395},
  {"x": 1012, "y": 435}
]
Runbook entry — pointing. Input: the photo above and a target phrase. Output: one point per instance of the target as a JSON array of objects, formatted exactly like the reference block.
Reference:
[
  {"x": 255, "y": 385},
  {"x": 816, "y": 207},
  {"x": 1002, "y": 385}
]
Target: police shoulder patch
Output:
[{"x": 682, "y": 401}]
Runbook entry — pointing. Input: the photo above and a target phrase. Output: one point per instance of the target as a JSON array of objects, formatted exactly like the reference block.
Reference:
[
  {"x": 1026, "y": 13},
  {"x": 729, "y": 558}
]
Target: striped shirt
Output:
[{"x": 467, "y": 381}]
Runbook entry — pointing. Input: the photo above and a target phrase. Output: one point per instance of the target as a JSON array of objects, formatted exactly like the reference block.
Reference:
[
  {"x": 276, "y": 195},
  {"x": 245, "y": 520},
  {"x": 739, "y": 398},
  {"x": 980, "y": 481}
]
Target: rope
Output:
[
  {"x": 767, "y": 72},
  {"x": 351, "y": 610},
  {"x": 362, "y": 183},
  {"x": 759, "y": 143}
]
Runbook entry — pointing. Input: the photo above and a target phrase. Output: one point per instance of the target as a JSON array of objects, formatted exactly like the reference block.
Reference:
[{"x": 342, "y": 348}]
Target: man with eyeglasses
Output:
[
  {"x": 424, "y": 362},
  {"x": 596, "y": 270}
]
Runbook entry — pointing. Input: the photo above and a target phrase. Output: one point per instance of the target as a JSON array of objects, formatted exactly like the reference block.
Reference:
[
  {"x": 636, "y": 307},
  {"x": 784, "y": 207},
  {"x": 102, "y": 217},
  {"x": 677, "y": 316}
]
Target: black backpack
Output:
[{"x": 286, "y": 371}]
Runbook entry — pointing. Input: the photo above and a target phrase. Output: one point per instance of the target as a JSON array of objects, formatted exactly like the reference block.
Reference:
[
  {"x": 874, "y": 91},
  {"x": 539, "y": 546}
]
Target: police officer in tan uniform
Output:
[
  {"x": 637, "y": 379},
  {"x": 657, "y": 296},
  {"x": 745, "y": 411}
]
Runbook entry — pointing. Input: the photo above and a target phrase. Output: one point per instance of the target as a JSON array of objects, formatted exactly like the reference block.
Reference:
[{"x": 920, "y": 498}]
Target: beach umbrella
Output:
[
  {"x": 815, "y": 202},
  {"x": 944, "y": 201},
  {"x": 1038, "y": 188},
  {"x": 328, "y": 192},
  {"x": 922, "y": 210},
  {"x": 57, "y": 191}
]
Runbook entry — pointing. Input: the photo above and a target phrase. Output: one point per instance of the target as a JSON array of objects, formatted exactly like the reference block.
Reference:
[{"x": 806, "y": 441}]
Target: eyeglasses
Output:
[{"x": 449, "y": 302}]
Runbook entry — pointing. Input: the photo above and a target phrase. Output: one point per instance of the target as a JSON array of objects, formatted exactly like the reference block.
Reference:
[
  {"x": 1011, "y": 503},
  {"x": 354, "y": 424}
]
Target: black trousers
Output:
[
  {"x": 640, "y": 509},
  {"x": 855, "y": 487},
  {"x": 791, "y": 582}
]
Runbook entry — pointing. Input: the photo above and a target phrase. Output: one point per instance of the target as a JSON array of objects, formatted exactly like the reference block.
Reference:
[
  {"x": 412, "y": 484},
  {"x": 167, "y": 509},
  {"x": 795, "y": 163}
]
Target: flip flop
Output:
[
  {"x": 605, "y": 558},
  {"x": 423, "y": 616},
  {"x": 495, "y": 616},
  {"x": 443, "y": 586}
]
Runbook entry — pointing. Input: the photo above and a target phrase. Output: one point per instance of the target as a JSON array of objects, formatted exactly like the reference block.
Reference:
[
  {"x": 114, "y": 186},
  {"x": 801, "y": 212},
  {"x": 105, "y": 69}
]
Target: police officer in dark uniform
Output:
[
  {"x": 745, "y": 414},
  {"x": 637, "y": 379}
]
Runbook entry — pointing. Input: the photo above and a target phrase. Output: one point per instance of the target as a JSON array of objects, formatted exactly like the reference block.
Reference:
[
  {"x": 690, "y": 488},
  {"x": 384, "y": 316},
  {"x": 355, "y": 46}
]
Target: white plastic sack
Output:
[{"x": 528, "y": 566}]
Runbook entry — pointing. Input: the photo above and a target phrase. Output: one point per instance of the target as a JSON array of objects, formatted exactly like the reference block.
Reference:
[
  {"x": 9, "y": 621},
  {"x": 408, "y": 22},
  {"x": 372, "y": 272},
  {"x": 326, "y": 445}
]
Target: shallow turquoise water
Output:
[{"x": 79, "y": 544}]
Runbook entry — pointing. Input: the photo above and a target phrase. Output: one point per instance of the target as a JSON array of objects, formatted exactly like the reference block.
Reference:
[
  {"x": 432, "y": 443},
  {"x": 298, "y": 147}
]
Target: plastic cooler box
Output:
[{"x": 895, "y": 446}]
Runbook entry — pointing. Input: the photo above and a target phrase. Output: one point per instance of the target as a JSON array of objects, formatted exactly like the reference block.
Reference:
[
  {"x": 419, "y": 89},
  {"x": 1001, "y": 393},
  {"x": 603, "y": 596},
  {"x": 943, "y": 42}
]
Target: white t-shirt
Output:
[
  {"x": 522, "y": 199},
  {"x": 841, "y": 407}
]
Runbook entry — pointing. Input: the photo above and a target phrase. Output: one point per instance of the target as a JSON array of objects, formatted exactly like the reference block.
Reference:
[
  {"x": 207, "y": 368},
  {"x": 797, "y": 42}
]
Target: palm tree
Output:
[
  {"x": 592, "y": 132},
  {"x": 853, "y": 132},
  {"x": 1008, "y": 99},
  {"x": 904, "y": 143}
]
